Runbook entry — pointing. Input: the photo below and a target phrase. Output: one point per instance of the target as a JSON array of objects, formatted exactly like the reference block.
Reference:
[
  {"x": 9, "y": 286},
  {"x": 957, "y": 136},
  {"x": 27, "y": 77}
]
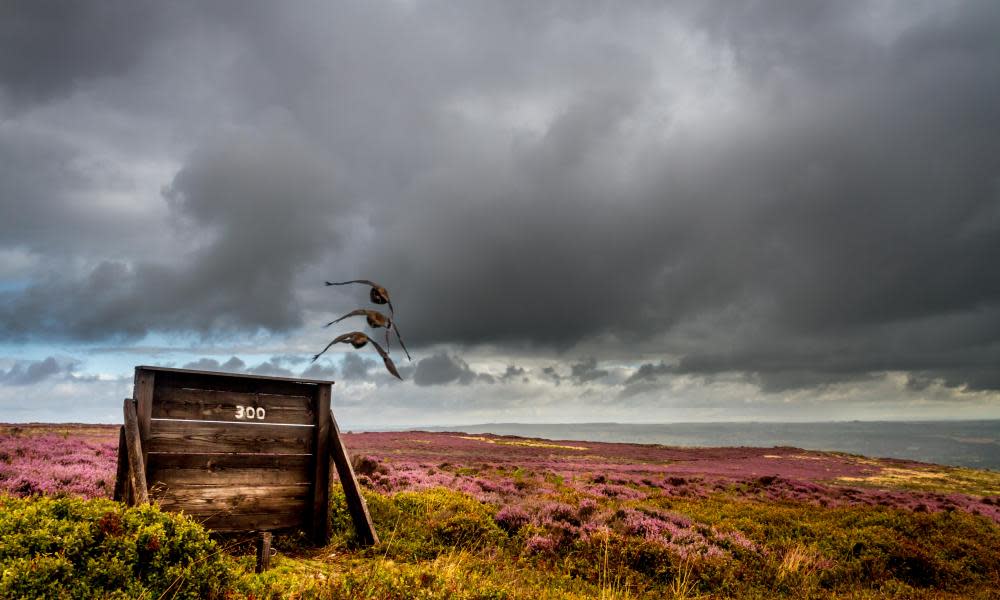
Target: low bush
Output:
[{"x": 77, "y": 548}]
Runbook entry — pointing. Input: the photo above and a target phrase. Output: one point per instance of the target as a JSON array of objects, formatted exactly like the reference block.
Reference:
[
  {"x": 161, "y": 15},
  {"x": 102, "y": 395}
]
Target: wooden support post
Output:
[
  {"x": 320, "y": 521},
  {"x": 142, "y": 393},
  {"x": 122, "y": 475},
  {"x": 352, "y": 491},
  {"x": 137, "y": 467},
  {"x": 264, "y": 552}
]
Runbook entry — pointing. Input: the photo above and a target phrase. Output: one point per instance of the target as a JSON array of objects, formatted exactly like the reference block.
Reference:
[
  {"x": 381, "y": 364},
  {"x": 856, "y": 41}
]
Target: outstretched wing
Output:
[
  {"x": 391, "y": 366},
  {"x": 400, "y": 338},
  {"x": 336, "y": 340},
  {"x": 364, "y": 281},
  {"x": 353, "y": 313}
]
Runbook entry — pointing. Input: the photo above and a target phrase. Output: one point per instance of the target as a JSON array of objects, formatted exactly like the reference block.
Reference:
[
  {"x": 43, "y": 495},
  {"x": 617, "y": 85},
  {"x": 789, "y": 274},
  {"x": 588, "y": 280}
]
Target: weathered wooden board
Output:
[
  {"x": 189, "y": 437},
  {"x": 244, "y": 383},
  {"x": 237, "y": 452},
  {"x": 320, "y": 501},
  {"x": 230, "y": 469},
  {"x": 207, "y": 499},
  {"x": 237, "y": 407},
  {"x": 227, "y": 509},
  {"x": 264, "y": 521}
]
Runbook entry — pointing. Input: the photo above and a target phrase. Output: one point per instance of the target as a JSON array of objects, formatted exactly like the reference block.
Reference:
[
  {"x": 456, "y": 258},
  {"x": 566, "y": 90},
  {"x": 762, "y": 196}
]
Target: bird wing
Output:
[
  {"x": 364, "y": 281},
  {"x": 391, "y": 366},
  {"x": 336, "y": 340},
  {"x": 400, "y": 338},
  {"x": 353, "y": 313}
]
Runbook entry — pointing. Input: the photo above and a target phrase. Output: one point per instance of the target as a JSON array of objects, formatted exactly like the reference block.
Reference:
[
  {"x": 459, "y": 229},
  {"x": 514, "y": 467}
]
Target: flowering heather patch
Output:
[
  {"x": 54, "y": 464},
  {"x": 630, "y": 472},
  {"x": 459, "y": 514}
]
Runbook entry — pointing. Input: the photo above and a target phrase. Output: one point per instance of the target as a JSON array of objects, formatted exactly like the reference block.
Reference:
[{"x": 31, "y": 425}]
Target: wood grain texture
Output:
[
  {"x": 192, "y": 437},
  {"x": 206, "y": 501},
  {"x": 216, "y": 405},
  {"x": 320, "y": 508},
  {"x": 356, "y": 505},
  {"x": 264, "y": 521},
  {"x": 228, "y": 383},
  {"x": 229, "y": 469},
  {"x": 121, "y": 476},
  {"x": 142, "y": 393},
  {"x": 137, "y": 471},
  {"x": 156, "y": 369},
  {"x": 263, "y": 552}
]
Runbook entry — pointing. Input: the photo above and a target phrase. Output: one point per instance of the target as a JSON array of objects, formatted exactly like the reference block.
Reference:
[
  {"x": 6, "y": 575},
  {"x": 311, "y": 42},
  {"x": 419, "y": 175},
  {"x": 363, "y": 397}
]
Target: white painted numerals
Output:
[{"x": 250, "y": 412}]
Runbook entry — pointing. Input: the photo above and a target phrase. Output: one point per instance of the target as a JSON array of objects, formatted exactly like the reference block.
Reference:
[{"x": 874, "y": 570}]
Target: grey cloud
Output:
[
  {"x": 319, "y": 371},
  {"x": 800, "y": 194},
  {"x": 586, "y": 371},
  {"x": 265, "y": 205},
  {"x": 440, "y": 369},
  {"x": 355, "y": 367},
  {"x": 819, "y": 221},
  {"x": 31, "y": 372},
  {"x": 47, "y": 49},
  {"x": 514, "y": 372},
  {"x": 552, "y": 375},
  {"x": 232, "y": 365},
  {"x": 273, "y": 367},
  {"x": 648, "y": 372}
]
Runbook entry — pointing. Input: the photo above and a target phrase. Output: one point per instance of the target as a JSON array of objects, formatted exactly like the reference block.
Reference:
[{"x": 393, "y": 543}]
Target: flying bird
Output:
[
  {"x": 375, "y": 320},
  {"x": 378, "y": 294},
  {"x": 359, "y": 340}
]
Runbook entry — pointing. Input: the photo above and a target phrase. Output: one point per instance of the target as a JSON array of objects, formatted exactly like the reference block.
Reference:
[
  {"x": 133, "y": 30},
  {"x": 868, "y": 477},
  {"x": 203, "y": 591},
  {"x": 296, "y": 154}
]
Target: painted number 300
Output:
[{"x": 249, "y": 412}]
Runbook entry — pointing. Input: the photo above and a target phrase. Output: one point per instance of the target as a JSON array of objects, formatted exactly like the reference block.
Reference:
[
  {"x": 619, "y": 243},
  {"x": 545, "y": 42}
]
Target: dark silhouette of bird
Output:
[
  {"x": 375, "y": 320},
  {"x": 359, "y": 340},
  {"x": 378, "y": 294}
]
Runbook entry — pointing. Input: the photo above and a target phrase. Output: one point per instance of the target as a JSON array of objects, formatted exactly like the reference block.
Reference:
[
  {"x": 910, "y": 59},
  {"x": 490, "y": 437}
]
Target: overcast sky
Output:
[{"x": 584, "y": 211}]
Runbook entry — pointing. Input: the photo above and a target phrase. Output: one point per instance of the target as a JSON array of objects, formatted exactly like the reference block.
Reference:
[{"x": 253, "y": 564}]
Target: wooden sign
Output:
[{"x": 236, "y": 452}]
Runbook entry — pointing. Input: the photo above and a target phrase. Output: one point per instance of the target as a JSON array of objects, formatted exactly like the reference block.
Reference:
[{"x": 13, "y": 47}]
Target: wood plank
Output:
[
  {"x": 142, "y": 393},
  {"x": 137, "y": 471},
  {"x": 121, "y": 476},
  {"x": 320, "y": 521},
  {"x": 228, "y": 383},
  {"x": 215, "y": 405},
  {"x": 212, "y": 499},
  {"x": 356, "y": 505},
  {"x": 268, "y": 521},
  {"x": 231, "y": 469},
  {"x": 187, "y": 437},
  {"x": 235, "y": 375},
  {"x": 187, "y": 403}
]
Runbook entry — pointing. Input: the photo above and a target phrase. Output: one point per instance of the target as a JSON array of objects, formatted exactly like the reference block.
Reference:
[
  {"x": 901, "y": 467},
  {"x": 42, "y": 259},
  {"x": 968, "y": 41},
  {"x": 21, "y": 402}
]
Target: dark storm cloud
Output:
[
  {"x": 854, "y": 208},
  {"x": 802, "y": 194},
  {"x": 253, "y": 210},
  {"x": 47, "y": 48}
]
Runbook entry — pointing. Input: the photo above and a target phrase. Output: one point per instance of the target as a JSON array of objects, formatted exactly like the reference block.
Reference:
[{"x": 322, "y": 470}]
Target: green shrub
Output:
[
  {"x": 75, "y": 548},
  {"x": 421, "y": 525}
]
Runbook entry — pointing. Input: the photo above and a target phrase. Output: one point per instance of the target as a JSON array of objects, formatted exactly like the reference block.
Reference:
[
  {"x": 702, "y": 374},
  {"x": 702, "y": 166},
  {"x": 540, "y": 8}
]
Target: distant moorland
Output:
[{"x": 483, "y": 516}]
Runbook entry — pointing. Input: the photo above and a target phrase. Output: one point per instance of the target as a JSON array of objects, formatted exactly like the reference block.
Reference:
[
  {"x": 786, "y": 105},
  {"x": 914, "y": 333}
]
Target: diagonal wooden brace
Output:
[{"x": 352, "y": 491}]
